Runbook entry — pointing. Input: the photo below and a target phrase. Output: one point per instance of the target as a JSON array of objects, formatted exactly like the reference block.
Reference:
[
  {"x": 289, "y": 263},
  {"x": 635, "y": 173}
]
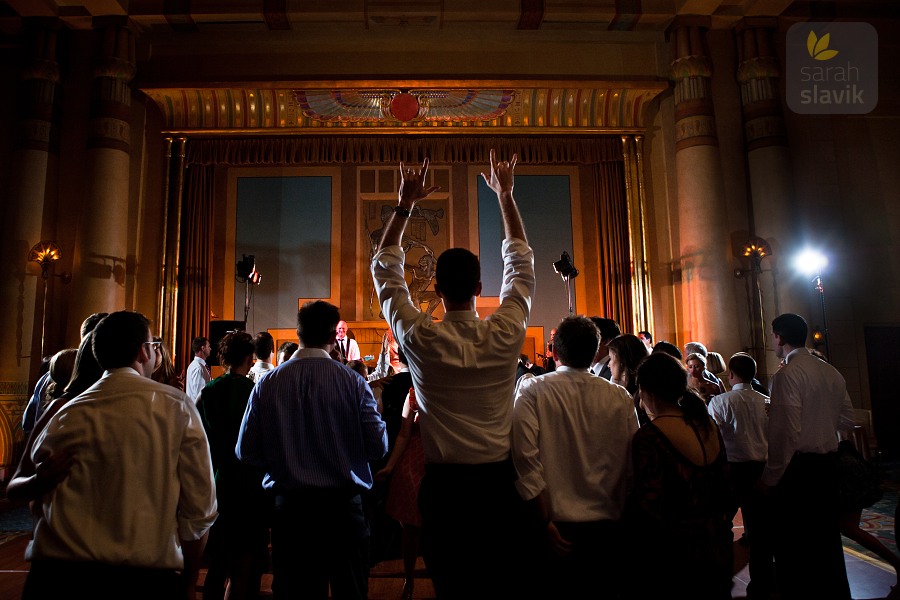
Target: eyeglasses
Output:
[{"x": 154, "y": 345}]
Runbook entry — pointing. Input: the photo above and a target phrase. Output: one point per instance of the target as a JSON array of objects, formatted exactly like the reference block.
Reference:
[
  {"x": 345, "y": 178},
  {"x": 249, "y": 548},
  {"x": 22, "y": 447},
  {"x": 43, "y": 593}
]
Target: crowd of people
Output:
[{"x": 617, "y": 467}]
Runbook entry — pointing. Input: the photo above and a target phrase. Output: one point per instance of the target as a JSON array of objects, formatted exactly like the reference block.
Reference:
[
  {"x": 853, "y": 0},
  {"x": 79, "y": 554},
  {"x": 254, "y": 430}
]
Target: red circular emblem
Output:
[{"x": 404, "y": 107}]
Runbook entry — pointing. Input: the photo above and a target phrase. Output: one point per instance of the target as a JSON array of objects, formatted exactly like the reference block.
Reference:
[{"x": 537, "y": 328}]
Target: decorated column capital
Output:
[
  {"x": 691, "y": 71},
  {"x": 114, "y": 69},
  {"x": 39, "y": 92},
  {"x": 758, "y": 73}
]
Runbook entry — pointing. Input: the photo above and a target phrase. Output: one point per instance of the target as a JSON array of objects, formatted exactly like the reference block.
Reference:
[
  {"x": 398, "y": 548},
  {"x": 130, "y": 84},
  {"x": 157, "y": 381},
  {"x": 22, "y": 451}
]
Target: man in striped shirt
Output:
[{"x": 312, "y": 424}]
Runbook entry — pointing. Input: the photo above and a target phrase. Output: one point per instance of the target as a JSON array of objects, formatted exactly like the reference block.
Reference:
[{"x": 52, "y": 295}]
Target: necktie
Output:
[{"x": 343, "y": 350}]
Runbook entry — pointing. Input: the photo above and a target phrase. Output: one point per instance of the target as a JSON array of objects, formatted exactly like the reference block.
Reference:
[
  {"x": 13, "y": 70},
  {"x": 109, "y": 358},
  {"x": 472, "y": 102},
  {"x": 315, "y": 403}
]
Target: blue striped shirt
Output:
[{"x": 312, "y": 423}]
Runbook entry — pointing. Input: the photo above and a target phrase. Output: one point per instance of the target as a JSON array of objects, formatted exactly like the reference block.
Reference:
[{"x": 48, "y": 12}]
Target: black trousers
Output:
[
  {"x": 594, "y": 565},
  {"x": 809, "y": 555},
  {"x": 64, "y": 579},
  {"x": 757, "y": 525},
  {"x": 320, "y": 537},
  {"x": 473, "y": 531}
]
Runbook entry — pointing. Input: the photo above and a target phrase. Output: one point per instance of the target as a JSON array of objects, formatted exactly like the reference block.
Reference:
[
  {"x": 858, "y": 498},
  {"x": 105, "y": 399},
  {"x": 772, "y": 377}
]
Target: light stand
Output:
[
  {"x": 568, "y": 272},
  {"x": 246, "y": 272},
  {"x": 812, "y": 262},
  {"x": 820, "y": 287}
]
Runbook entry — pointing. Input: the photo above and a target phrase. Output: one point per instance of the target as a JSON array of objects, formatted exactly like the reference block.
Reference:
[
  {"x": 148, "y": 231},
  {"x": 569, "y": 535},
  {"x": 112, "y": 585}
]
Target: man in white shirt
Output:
[
  {"x": 347, "y": 347},
  {"x": 809, "y": 405},
  {"x": 198, "y": 371},
  {"x": 133, "y": 512},
  {"x": 264, "y": 348},
  {"x": 609, "y": 330},
  {"x": 463, "y": 369},
  {"x": 572, "y": 450},
  {"x": 743, "y": 422}
]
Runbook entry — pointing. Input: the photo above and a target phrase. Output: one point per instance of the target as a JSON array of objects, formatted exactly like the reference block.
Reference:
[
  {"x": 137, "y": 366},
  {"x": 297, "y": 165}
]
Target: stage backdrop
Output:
[{"x": 285, "y": 222}]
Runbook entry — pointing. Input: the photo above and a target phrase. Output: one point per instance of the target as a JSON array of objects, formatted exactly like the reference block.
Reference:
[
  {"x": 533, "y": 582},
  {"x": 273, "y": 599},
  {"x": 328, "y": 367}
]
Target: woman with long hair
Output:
[
  {"x": 164, "y": 371},
  {"x": 680, "y": 508},
  {"x": 625, "y": 354}
]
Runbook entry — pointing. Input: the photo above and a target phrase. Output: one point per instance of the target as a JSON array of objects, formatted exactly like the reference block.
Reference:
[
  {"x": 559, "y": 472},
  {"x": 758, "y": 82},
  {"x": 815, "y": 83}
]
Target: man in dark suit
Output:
[{"x": 609, "y": 329}]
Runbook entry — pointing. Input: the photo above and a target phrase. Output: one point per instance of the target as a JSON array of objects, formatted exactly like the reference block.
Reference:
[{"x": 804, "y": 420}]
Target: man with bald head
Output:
[{"x": 346, "y": 346}]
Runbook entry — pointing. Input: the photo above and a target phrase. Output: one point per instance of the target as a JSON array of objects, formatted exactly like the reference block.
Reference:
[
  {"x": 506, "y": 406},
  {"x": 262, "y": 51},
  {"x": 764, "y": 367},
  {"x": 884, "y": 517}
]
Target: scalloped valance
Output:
[{"x": 393, "y": 149}]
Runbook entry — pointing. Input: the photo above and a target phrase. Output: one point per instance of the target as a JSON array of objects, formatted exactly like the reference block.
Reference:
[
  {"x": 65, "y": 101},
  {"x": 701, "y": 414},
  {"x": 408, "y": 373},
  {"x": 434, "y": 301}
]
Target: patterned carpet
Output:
[{"x": 879, "y": 518}]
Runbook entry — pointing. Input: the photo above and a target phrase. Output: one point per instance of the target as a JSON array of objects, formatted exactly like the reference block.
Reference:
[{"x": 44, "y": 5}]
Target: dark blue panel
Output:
[
  {"x": 286, "y": 223},
  {"x": 546, "y": 207}
]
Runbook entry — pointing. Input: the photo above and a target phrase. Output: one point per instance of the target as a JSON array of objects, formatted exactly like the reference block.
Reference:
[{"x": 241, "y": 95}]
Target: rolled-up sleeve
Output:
[
  {"x": 518, "y": 279},
  {"x": 525, "y": 450}
]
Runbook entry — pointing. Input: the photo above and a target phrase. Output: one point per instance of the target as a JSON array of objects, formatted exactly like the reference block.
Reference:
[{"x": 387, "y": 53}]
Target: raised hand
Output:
[
  {"x": 501, "y": 177},
  {"x": 412, "y": 185}
]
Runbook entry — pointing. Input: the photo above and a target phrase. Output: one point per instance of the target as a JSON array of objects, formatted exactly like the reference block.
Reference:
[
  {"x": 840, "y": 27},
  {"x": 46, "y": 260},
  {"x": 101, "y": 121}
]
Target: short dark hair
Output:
[
  {"x": 667, "y": 348},
  {"x": 576, "y": 342},
  {"x": 264, "y": 344},
  {"x": 457, "y": 274},
  {"x": 287, "y": 349},
  {"x": 359, "y": 366},
  {"x": 646, "y": 334},
  {"x": 316, "y": 323},
  {"x": 743, "y": 366},
  {"x": 609, "y": 329},
  {"x": 792, "y": 328},
  {"x": 90, "y": 323},
  {"x": 198, "y": 343},
  {"x": 234, "y": 348},
  {"x": 118, "y": 338}
]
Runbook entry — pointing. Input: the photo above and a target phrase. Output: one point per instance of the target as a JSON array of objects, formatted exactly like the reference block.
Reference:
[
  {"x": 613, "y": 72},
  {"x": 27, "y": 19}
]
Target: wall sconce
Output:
[
  {"x": 45, "y": 253},
  {"x": 756, "y": 249}
]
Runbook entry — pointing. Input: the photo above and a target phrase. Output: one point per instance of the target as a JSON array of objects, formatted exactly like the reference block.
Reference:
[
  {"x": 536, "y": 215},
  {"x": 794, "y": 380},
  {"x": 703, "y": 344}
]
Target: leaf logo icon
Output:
[{"x": 818, "y": 47}]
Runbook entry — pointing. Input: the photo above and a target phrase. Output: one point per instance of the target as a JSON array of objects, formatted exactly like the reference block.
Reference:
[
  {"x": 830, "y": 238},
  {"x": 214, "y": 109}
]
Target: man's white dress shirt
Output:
[
  {"x": 463, "y": 367},
  {"x": 196, "y": 379},
  {"x": 142, "y": 479},
  {"x": 259, "y": 369},
  {"x": 741, "y": 417},
  {"x": 572, "y": 437},
  {"x": 348, "y": 348},
  {"x": 809, "y": 405}
]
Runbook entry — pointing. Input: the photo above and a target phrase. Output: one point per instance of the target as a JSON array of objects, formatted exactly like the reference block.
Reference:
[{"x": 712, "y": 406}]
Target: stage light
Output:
[{"x": 811, "y": 262}]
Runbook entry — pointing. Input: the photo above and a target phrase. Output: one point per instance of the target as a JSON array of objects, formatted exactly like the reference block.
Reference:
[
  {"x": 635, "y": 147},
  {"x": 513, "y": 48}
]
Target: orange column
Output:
[
  {"x": 37, "y": 146},
  {"x": 769, "y": 170},
  {"x": 710, "y": 313},
  {"x": 101, "y": 252}
]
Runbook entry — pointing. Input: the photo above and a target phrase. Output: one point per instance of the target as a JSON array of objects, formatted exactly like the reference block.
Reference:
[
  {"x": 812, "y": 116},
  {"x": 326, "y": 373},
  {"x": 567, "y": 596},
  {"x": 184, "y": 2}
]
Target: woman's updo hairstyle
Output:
[
  {"x": 666, "y": 378},
  {"x": 234, "y": 348}
]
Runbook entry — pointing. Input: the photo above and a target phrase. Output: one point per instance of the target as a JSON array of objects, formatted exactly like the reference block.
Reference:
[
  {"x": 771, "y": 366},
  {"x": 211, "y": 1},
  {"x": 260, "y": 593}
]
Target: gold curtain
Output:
[
  {"x": 612, "y": 231},
  {"x": 195, "y": 261}
]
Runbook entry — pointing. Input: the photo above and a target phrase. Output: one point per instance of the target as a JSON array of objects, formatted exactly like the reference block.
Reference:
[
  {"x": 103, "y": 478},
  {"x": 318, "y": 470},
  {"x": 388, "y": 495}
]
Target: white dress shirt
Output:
[
  {"x": 572, "y": 437},
  {"x": 597, "y": 367},
  {"x": 259, "y": 369},
  {"x": 463, "y": 368},
  {"x": 809, "y": 405},
  {"x": 196, "y": 379},
  {"x": 741, "y": 417},
  {"x": 348, "y": 348},
  {"x": 142, "y": 478}
]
